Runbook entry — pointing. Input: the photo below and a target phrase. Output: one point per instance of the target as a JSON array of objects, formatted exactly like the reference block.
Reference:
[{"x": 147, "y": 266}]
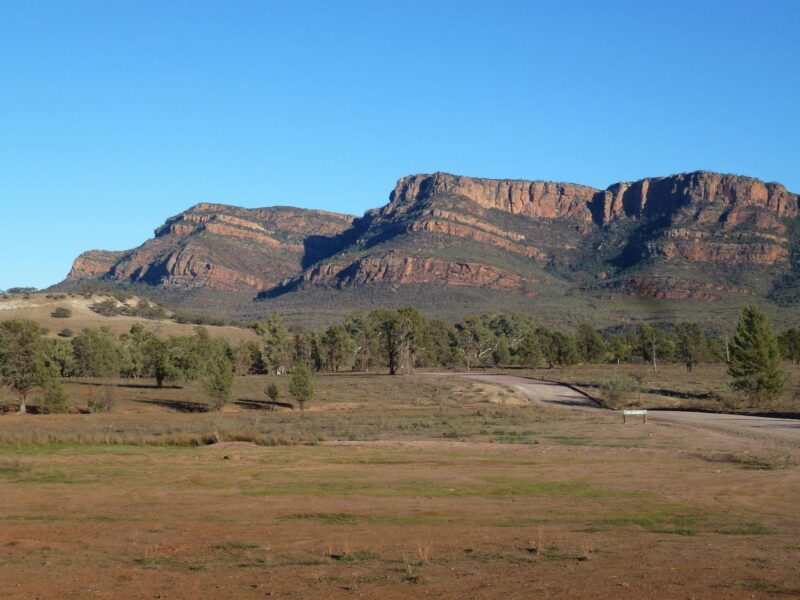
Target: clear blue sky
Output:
[{"x": 117, "y": 114}]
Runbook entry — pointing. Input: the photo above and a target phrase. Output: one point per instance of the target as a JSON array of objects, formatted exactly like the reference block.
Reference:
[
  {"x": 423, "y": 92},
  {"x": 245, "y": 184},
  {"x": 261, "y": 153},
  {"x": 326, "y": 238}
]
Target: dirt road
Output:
[{"x": 781, "y": 431}]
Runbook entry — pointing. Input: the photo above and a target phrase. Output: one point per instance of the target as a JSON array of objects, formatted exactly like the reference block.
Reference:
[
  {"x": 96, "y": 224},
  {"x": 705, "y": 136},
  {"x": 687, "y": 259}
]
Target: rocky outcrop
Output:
[
  {"x": 401, "y": 269},
  {"x": 219, "y": 247},
  {"x": 675, "y": 288},
  {"x": 720, "y": 252},
  {"x": 478, "y": 234},
  {"x": 93, "y": 264}
]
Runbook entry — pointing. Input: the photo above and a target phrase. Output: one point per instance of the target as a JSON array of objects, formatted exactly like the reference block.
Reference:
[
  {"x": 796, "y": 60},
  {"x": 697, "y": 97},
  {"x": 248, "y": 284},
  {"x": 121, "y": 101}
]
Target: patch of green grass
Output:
[
  {"x": 678, "y": 523},
  {"x": 34, "y": 518},
  {"x": 688, "y": 531},
  {"x": 336, "y": 518}
]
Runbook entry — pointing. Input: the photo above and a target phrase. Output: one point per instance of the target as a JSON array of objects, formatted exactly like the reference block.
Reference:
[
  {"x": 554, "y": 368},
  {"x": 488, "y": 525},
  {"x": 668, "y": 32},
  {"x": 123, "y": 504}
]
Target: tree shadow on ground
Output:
[
  {"x": 262, "y": 404},
  {"x": 135, "y": 386},
  {"x": 176, "y": 405}
]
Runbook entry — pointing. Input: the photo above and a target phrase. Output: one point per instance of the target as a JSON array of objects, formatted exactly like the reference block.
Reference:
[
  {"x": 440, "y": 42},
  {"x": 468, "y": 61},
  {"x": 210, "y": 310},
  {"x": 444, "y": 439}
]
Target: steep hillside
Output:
[
  {"x": 702, "y": 237},
  {"x": 222, "y": 248}
]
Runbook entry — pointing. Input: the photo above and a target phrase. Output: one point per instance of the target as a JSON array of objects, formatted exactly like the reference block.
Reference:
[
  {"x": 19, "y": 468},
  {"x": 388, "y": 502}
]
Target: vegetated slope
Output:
[{"x": 692, "y": 241}]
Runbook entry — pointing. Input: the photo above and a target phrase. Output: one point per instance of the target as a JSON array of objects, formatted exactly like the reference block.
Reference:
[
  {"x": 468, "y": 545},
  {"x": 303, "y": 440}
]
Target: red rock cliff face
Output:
[
  {"x": 529, "y": 198},
  {"x": 664, "y": 195},
  {"x": 219, "y": 247},
  {"x": 93, "y": 264},
  {"x": 640, "y": 199}
]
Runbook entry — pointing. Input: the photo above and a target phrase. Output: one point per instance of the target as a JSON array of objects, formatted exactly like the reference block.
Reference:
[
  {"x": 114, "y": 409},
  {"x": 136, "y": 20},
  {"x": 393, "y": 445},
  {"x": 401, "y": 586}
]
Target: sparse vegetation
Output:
[{"x": 301, "y": 386}]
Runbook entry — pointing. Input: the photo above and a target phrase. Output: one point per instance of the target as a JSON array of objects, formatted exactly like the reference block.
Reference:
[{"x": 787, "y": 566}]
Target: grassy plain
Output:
[{"x": 431, "y": 486}]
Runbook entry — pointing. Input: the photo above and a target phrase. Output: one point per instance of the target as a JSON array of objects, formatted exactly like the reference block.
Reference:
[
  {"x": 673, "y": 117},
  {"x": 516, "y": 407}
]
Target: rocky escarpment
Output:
[
  {"x": 529, "y": 198},
  {"x": 723, "y": 194},
  {"x": 723, "y": 218},
  {"x": 645, "y": 198},
  {"x": 220, "y": 247},
  {"x": 699, "y": 236}
]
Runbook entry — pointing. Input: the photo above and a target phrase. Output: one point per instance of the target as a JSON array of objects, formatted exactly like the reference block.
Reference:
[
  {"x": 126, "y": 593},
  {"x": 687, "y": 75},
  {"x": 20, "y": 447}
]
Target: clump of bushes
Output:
[
  {"x": 147, "y": 310},
  {"x": 619, "y": 390},
  {"x": 187, "y": 317},
  {"x": 62, "y": 312}
]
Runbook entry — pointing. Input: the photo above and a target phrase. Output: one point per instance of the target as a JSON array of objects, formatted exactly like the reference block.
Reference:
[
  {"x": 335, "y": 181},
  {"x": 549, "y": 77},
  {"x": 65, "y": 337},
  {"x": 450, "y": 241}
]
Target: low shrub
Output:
[
  {"x": 62, "y": 312},
  {"x": 619, "y": 390}
]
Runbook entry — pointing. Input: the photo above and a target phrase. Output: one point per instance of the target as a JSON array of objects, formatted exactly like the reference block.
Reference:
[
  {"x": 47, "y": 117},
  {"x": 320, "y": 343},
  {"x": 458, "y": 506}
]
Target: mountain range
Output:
[{"x": 692, "y": 245}]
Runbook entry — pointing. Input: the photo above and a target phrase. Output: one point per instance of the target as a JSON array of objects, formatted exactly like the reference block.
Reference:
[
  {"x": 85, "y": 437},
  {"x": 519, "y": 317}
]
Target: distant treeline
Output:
[{"x": 398, "y": 340}]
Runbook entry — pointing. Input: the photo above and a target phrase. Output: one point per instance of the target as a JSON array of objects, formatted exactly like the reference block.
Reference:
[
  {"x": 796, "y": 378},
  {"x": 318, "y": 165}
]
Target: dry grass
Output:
[{"x": 40, "y": 308}]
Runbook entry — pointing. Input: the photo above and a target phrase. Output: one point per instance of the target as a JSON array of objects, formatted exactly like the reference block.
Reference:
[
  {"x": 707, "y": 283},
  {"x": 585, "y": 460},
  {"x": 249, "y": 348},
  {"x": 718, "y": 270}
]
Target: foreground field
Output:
[{"x": 390, "y": 488}]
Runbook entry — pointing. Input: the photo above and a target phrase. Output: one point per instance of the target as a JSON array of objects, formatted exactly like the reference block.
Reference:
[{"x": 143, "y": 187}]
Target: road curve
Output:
[{"x": 548, "y": 393}]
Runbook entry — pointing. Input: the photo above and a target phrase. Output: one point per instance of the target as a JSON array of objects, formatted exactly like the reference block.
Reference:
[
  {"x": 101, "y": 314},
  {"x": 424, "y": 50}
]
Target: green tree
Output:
[
  {"x": 243, "y": 361},
  {"x": 564, "y": 350},
  {"x": 218, "y": 379},
  {"x": 475, "y": 341},
  {"x": 301, "y": 386},
  {"x": 337, "y": 346},
  {"x": 789, "y": 342},
  {"x": 591, "y": 346},
  {"x": 96, "y": 353},
  {"x": 618, "y": 349},
  {"x": 501, "y": 354},
  {"x": 272, "y": 392},
  {"x": 755, "y": 358},
  {"x": 691, "y": 346},
  {"x": 365, "y": 347},
  {"x": 54, "y": 397},
  {"x": 404, "y": 336},
  {"x": 274, "y": 343},
  {"x": 24, "y": 364},
  {"x": 530, "y": 350},
  {"x": 158, "y": 361}
]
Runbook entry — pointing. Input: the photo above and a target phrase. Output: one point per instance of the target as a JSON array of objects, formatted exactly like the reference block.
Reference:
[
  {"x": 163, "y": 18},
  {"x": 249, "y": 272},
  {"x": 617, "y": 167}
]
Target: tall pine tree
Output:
[{"x": 755, "y": 364}]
